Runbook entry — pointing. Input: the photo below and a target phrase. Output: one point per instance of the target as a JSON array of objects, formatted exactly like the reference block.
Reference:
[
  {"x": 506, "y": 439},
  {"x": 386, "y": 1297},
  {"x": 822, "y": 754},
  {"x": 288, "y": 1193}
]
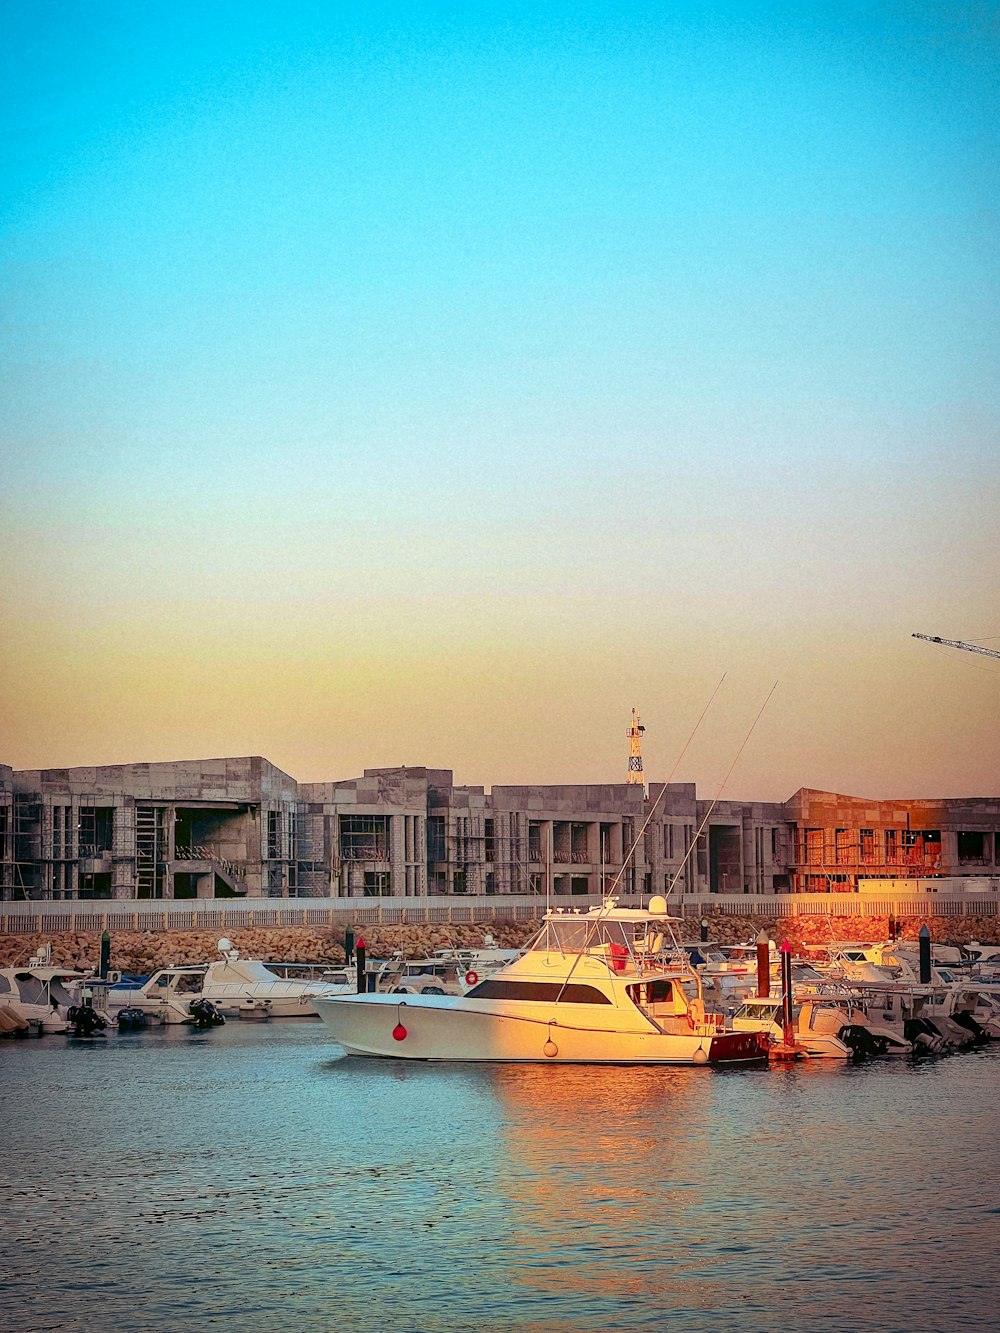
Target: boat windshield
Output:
[
  {"x": 765, "y": 1009},
  {"x": 617, "y": 940},
  {"x": 568, "y": 936},
  {"x": 30, "y": 989}
]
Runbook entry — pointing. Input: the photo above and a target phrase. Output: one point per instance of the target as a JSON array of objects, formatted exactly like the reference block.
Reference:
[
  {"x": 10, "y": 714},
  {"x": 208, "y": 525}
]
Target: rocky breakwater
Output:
[
  {"x": 805, "y": 931},
  {"x": 144, "y": 952}
]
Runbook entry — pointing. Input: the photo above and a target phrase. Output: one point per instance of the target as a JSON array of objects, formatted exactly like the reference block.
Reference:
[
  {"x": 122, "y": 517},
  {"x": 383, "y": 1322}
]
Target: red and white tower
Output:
[{"x": 635, "y": 774}]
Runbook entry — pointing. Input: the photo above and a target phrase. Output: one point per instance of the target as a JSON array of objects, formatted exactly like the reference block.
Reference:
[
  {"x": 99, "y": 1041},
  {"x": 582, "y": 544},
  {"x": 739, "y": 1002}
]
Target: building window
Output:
[
  {"x": 96, "y": 830},
  {"x": 364, "y": 837},
  {"x": 814, "y": 846},
  {"x": 436, "y": 838},
  {"x": 843, "y": 846},
  {"x": 62, "y": 831},
  {"x": 534, "y": 841},
  {"x": 273, "y": 834},
  {"x": 868, "y": 846},
  {"x": 972, "y": 849}
]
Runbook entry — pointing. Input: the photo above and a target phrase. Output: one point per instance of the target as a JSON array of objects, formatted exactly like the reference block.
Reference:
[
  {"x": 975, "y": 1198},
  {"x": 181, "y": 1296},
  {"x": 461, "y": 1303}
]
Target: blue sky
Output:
[{"x": 559, "y": 357}]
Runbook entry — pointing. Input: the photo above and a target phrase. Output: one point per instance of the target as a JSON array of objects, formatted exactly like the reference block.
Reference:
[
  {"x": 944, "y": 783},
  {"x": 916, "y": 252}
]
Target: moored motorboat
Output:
[
  {"x": 825, "y": 1027},
  {"x": 247, "y": 988},
  {"x": 166, "y": 997},
  {"x": 609, "y": 986},
  {"x": 39, "y": 994}
]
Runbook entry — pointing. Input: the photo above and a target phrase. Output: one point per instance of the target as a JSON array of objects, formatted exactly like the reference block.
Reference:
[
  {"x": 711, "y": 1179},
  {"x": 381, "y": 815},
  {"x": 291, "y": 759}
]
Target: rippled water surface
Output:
[{"x": 253, "y": 1178}]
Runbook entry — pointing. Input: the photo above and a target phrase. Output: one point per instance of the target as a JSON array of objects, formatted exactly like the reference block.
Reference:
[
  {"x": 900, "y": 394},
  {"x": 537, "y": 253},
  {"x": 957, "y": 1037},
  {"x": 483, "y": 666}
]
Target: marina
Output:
[{"x": 499, "y": 808}]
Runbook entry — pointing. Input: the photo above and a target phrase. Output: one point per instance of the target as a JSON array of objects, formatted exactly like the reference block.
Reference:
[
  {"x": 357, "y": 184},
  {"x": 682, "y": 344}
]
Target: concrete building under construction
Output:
[{"x": 217, "y": 828}]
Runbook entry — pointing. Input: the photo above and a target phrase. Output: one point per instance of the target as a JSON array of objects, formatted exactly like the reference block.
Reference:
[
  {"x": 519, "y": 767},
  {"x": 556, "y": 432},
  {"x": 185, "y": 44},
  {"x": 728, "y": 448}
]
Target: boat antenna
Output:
[
  {"x": 660, "y": 795},
  {"x": 718, "y": 794}
]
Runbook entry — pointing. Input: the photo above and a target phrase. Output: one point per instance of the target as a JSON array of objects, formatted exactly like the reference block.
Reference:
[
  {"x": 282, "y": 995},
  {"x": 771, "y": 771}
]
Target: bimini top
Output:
[{"x": 656, "y": 910}]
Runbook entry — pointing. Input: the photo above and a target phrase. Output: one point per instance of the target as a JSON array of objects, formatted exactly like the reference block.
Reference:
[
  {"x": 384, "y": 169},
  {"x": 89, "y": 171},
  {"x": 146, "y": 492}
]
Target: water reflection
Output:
[{"x": 601, "y": 1181}]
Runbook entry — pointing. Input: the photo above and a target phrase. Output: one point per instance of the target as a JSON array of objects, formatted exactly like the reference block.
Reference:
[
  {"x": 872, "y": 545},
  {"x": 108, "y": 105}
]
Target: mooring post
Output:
[
  {"x": 787, "y": 1021},
  {"x": 925, "y": 955},
  {"x": 763, "y": 965},
  {"x": 360, "y": 952},
  {"x": 704, "y": 929},
  {"x": 105, "y": 964},
  {"x": 348, "y": 945}
]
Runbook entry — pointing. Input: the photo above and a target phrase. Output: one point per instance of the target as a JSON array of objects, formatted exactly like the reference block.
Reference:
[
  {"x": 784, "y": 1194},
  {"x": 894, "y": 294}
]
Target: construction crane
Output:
[{"x": 957, "y": 643}]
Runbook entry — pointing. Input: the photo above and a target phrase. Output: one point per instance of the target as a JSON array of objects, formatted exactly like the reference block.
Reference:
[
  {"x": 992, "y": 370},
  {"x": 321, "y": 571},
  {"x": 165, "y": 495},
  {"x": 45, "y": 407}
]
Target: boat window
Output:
[
  {"x": 568, "y": 936},
  {"x": 659, "y": 992},
  {"x": 4, "y": 985},
  {"x": 30, "y": 989},
  {"x": 571, "y": 993}
]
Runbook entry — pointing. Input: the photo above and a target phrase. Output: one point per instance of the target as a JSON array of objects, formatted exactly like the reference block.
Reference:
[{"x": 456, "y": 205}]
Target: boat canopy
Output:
[{"x": 617, "y": 936}]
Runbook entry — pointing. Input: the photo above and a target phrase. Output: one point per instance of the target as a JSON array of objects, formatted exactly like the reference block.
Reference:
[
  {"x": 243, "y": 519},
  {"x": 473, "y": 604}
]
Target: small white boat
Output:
[
  {"x": 246, "y": 987},
  {"x": 472, "y": 965},
  {"x": 165, "y": 998},
  {"x": 825, "y": 1027},
  {"x": 436, "y": 975},
  {"x": 609, "y": 986}
]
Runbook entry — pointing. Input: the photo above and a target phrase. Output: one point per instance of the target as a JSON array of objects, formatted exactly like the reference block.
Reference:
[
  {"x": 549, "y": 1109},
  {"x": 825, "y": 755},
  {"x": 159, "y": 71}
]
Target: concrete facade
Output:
[{"x": 240, "y": 827}]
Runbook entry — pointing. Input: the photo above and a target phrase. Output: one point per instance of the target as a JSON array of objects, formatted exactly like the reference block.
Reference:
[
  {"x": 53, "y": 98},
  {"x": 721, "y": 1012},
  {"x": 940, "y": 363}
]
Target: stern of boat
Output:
[{"x": 732, "y": 1048}]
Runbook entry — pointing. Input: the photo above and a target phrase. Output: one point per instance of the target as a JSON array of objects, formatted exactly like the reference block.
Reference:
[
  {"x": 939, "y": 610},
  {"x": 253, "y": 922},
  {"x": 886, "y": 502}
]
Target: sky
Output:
[{"x": 433, "y": 384}]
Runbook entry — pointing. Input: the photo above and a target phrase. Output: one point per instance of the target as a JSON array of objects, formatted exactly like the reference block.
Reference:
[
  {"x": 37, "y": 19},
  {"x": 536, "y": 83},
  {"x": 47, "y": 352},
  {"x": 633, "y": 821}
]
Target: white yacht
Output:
[
  {"x": 246, "y": 987},
  {"x": 608, "y": 986},
  {"x": 39, "y": 993}
]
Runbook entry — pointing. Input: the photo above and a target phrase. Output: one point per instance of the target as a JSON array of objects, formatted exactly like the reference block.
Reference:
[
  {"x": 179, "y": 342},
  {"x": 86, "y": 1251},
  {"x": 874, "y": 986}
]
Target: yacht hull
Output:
[{"x": 455, "y": 1028}]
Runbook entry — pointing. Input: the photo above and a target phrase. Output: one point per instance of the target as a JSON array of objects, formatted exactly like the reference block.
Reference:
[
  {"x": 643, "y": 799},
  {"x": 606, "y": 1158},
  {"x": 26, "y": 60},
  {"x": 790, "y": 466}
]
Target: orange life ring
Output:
[{"x": 471, "y": 978}]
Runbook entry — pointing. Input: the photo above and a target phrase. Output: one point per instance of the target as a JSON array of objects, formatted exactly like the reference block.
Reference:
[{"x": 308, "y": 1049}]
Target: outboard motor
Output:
[
  {"x": 85, "y": 1020},
  {"x": 205, "y": 1014},
  {"x": 860, "y": 1041},
  {"x": 966, "y": 1020},
  {"x": 130, "y": 1019},
  {"x": 925, "y": 1038}
]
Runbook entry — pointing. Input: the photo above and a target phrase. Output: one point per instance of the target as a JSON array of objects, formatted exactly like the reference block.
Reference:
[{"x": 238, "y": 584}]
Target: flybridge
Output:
[{"x": 628, "y": 939}]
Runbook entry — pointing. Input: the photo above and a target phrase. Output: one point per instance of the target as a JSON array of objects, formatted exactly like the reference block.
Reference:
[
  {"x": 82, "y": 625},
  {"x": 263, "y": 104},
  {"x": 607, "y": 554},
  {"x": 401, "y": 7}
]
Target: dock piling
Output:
[{"x": 925, "y": 955}]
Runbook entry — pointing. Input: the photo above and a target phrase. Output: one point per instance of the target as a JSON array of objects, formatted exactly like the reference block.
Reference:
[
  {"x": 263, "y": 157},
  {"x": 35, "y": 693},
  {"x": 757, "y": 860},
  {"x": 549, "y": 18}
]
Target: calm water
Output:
[{"x": 253, "y": 1178}]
